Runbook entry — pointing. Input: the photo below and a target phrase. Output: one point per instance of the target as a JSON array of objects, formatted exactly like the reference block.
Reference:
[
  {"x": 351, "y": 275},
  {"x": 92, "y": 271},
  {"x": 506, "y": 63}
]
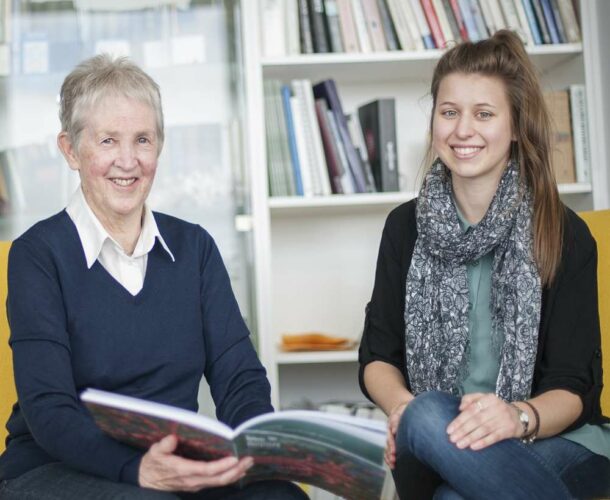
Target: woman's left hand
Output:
[{"x": 484, "y": 419}]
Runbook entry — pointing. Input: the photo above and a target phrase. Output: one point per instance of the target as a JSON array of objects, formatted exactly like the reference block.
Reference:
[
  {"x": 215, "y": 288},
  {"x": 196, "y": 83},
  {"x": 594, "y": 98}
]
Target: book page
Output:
[{"x": 342, "y": 455}]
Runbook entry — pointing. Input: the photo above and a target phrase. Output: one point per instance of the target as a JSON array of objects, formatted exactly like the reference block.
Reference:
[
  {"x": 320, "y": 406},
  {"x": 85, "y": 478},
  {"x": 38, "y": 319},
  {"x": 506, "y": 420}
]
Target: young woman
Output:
[{"x": 482, "y": 340}]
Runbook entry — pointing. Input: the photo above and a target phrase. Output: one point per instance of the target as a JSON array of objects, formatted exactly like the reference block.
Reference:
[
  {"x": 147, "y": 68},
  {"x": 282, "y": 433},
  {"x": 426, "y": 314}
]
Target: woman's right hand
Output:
[
  {"x": 160, "y": 469},
  {"x": 393, "y": 421}
]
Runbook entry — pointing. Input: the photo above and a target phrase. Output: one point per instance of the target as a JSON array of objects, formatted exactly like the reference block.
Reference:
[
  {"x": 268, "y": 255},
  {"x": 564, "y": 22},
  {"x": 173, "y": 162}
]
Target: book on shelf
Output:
[
  {"x": 319, "y": 31},
  {"x": 532, "y": 22},
  {"x": 305, "y": 35},
  {"x": 469, "y": 22},
  {"x": 547, "y": 12},
  {"x": 331, "y": 148},
  {"x": 327, "y": 90},
  {"x": 339, "y": 453},
  {"x": 580, "y": 132},
  {"x": 513, "y": 21},
  {"x": 364, "y": 39},
  {"x": 291, "y": 139},
  {"x": 561, "y": 33},
  {"x": 478, "y": 19},
  {"x": 422, "y": 24},
  {"x": 348, "y": 184},
  {"x": 544, "y": 29},
  {"x": 334, "y": 27},
  {"x": 404, "y": 34},
  {"x": 562, "y": 152},
  {"x": 378, "y": 122},
  {"x": 372, "y": 19},
  {"x": 391, "y": 38},
  {"x": 313, "y": 163},
  {"x": 355, "y": 132},
  {"x": 433, "y": 23},
  {"x": 348, "y": 28},
  {"x": 443, "y": 20},
  {"x": 569, "y": 20},
  {"x": 459, "y": 19}
]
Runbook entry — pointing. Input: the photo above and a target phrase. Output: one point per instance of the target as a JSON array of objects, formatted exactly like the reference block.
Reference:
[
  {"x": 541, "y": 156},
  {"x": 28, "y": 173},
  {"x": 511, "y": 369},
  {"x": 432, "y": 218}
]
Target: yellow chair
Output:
[
  {"x": 599, "y": 224},
  {"x": 8, "y": 395}
]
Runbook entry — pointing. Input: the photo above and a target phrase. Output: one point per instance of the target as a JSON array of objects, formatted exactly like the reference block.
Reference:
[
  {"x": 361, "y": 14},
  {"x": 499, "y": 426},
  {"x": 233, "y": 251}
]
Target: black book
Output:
[
  {"x": 319, "y": 29},
  {"x": 378, "y": 122},
  {"x": 305, "y": 28}
]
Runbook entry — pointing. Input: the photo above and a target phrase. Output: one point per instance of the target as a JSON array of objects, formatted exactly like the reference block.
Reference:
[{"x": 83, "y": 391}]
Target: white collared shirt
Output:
[{"x": 128, "y": 270}]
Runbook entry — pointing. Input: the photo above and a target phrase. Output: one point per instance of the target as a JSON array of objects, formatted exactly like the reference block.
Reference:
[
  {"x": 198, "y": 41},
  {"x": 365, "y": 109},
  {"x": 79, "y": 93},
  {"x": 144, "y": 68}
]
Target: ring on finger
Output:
[{"x": 480, "y": 406}]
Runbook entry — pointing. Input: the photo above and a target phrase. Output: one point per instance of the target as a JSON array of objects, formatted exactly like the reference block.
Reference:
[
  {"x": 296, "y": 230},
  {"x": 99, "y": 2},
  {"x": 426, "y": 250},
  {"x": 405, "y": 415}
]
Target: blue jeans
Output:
[
  {"x": 429, "y": 465},
  {"x": 56, "y": 481}
]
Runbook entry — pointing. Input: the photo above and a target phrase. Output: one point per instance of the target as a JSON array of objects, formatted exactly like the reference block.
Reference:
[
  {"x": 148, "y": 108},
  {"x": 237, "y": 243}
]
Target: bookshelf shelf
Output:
[
  {"x": 389, "y": 66},
  {"x": 577, "y": 188},
  {"x": 298, "y": 203},
  {"x": 294, "y": 358}
]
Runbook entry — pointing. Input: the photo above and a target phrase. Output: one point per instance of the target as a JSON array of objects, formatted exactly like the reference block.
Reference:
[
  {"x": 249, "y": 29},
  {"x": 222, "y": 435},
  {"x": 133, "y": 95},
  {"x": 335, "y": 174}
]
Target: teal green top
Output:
[{"x": 484, "y": 363}]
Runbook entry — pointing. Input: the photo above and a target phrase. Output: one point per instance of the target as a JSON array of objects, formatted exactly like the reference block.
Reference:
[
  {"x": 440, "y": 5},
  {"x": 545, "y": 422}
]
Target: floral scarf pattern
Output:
[{"x": 437, "y": 298}]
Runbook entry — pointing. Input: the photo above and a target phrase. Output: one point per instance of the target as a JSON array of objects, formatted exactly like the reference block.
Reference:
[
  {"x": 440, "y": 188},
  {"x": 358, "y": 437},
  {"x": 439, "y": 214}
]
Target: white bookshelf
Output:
[{"x": 316, "y": 256}]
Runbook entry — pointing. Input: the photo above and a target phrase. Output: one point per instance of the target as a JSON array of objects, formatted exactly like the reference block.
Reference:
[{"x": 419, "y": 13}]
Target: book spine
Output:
[
  {"x": 455, "y": 29},
  {"x": 561, "y": 32},
  {"x": 400, "y": 23},
  {"x": 302, "y": 149},
  {"x": 558, "y": 103},
  {"x": 318, "y": 26},
  {"x": 478, "y": 19},
  {"x": 497, "y": 15},
  {"x": 285, "y": 172},
  {"x": 271, "y": 141},
  {"x": 435, "y": 27},
  {"x": 361, "y": 29},
  {"x": 334, "y": 30},
  {"x": 568, "y": 16},
  {"x": 457, "y": 13},
  {"x": 580, "y": 132},
  {"x": 391, "y": 38},
  {"x": 291, "y": 19},
  {"x": 348, "y": 28},
  {"x": 348, "y": 183},
  {"x": 544, "y": 30},
  {"x": 272, "y": 28},
  {"x": 294, "y": 154},
  {"x": 512, "y": 18},
  {"x": 373, "y": 25},
  {"x": 312, "y": 130},
  {"x": 327, "y": 89},
  {"x": 422, "y": 24},
  {"x": 488, "y": 16},
  {"x": 409, "y": 15},
  {"x": 305, "y": 28},
  {"x": 378, "y": 123},
  {"x": 550, "y": 21},
  {"x": 333, "y": 162},
  {"x": 531, "y": 20},
  {"x": 471, "y": 27},
  {"x": 523, "y": 22},
  {"x": 441, "y": 15},
  {"x": 353, "y": 123}
]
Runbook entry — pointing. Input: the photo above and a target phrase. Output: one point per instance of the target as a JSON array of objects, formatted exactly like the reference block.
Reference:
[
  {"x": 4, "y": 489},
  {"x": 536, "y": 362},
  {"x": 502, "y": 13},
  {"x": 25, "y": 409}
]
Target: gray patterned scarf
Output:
[{"x": 437, "y": 301}]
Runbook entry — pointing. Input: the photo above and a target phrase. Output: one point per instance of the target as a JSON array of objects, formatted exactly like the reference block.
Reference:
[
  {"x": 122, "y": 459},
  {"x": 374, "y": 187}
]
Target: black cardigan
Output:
[{"x": 569, "y": 344}]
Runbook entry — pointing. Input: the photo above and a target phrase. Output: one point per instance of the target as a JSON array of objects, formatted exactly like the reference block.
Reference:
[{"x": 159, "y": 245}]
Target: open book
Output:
[{"x": 338, "y": 453}]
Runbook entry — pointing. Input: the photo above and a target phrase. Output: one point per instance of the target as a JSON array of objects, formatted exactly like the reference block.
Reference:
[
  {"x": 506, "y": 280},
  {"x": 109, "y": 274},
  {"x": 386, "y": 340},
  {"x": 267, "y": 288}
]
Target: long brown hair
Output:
[{"x": 503, "y": 56}]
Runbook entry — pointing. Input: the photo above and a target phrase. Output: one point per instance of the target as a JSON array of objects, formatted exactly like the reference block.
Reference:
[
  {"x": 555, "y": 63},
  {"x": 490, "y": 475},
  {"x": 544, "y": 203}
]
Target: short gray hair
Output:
[{"x": 103, "y": 76}]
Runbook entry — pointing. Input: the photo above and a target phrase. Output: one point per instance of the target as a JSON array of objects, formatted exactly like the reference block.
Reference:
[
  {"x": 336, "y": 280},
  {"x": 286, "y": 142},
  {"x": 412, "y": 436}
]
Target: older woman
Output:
[{"x": 108, "y": 294}]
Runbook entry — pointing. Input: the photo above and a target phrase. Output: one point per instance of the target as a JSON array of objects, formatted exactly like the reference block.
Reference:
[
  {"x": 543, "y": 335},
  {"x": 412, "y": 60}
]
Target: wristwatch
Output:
[{"x": 525, "y": 422}]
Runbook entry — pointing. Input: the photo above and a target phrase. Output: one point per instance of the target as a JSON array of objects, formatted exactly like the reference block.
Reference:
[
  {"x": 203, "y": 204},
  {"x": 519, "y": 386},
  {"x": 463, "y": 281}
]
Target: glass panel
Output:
[{"x": 191, "y": 49}]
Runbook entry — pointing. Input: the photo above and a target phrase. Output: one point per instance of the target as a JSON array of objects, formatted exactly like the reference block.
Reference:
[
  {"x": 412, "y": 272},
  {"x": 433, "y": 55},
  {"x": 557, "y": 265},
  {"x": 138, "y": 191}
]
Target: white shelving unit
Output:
[{"x": 315, "y": 257}]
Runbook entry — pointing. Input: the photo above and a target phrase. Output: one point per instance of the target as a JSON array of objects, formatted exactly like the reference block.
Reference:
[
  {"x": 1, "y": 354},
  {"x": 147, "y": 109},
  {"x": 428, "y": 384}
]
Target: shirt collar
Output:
[{"x": 93, "y": 236}]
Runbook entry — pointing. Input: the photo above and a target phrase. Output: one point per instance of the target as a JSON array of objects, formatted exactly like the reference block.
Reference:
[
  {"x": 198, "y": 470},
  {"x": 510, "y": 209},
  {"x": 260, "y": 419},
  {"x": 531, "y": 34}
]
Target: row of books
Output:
[
  {"x": 382, "y": 25},
  {"x": 571, "y": 152},
  {"x": 314, "y": 149}
]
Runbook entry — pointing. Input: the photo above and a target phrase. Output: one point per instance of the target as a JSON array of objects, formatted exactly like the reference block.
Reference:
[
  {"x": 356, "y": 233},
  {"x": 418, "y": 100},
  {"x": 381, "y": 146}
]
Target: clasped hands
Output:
[
  {"x": 484, "y": 419},
  {"x": 161, "y": 469}
]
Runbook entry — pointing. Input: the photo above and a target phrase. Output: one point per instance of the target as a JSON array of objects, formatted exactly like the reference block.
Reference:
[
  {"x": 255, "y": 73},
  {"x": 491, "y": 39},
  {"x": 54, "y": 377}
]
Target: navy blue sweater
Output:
[{"x": 73, "y": 327}]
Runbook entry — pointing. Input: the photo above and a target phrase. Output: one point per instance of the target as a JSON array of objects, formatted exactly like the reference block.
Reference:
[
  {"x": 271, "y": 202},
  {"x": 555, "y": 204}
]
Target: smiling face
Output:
[
  {"x": 116, "y": 159},
  {"x": 471, "y": 127}
]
